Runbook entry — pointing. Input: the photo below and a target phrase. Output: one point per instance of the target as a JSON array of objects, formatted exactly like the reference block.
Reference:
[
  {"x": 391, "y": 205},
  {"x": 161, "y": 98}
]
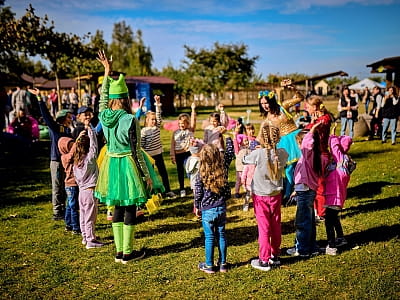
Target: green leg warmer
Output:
[
  {"x": 118, "y": 235},
  {"x": 129, "y": 231}
]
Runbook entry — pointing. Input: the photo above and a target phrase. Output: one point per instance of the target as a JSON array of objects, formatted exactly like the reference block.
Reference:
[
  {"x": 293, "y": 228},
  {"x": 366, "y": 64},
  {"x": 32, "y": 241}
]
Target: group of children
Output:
[{"x": 124, "y": 177}]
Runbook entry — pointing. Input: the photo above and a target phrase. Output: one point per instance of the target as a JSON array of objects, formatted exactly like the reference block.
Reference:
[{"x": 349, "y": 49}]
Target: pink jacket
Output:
[
  {"x": 247, "y": 176},
  {"x": 337, "y": 180}
]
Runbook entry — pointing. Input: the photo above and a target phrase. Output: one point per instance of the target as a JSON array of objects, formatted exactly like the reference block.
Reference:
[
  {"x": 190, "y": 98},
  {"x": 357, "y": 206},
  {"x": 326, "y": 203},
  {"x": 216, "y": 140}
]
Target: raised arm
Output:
[
  {"x": 107, "y": 64},
  {"x": 158, "y": 104},
  {"x": 193, "y": 118}
]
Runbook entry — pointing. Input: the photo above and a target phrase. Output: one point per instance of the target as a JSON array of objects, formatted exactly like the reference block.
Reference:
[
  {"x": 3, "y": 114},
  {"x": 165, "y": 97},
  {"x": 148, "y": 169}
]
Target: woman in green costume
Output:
[{"x": 124, "y": 180}]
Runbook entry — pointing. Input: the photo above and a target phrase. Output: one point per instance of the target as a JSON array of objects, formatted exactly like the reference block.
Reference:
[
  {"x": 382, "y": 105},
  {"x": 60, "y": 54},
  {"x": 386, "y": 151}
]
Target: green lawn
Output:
[{"x": 40, "y": 261}]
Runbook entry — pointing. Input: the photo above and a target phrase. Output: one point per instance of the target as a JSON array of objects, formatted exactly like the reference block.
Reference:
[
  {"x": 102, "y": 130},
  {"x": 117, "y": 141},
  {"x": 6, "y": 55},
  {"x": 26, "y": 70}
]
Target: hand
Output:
[
  {"x": 315, "y": 126},
  {"x": 173, "y": 160},
  {"x": 197, "y": 212},
  {"x": 81, "y": 134},
  {"x": 149, "y": 183},
  {"x": 157, "y": 98},
  {"x": 107, "y": 63},
  {"x": 193, "y": 106},
  {"x": 34, "y": 91},
  {"x": 86, "y": 122}
]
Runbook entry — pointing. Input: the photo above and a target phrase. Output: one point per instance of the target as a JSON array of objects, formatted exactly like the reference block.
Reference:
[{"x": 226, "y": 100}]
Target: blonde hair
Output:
[
  {"x": 148, "y": 115},
  {"x": 82, "y": 148},
  {"x": 271, "y": 138},
  {"x": 212, "y": 172}
]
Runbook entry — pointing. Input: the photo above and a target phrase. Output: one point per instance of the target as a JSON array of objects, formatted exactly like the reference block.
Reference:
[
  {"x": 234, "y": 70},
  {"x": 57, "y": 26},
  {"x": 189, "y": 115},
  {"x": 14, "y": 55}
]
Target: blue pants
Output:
[
  {"x": 72, "y": 207},
  {"x": 214, "y": 220},
  {"x": 344, "y": 122},
  {"x": 385, "y": 126},
  {"x": 305, "y": 223}
]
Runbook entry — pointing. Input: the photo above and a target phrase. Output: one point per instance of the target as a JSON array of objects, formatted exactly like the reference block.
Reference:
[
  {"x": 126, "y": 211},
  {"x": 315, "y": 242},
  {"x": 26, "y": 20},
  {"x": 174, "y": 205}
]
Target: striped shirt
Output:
[{"x": 151, "y": 136}]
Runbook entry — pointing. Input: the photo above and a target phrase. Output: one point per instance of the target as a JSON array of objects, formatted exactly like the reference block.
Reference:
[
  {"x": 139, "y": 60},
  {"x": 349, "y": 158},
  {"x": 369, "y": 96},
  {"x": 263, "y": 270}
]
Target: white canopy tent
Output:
[{"x": 365, "y": 83}]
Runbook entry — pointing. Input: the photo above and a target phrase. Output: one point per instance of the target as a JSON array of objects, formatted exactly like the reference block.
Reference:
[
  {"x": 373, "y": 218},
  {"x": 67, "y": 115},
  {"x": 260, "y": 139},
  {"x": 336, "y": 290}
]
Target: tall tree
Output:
[{"x": 223, "y": 68}]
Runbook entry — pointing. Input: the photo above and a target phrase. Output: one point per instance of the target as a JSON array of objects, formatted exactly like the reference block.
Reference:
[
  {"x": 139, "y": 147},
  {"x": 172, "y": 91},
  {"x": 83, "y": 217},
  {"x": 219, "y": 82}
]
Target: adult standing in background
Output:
[
  {"x": 53, "y": 97},
  {"x": 366, "y": 99},
  {"x": 19, "y": 101},
  {"x": 348, "y": 110},
  {"x": 376, "y": 113},
  {"x": 74, "y": 101},
  {"x": 390, "y": 113}
]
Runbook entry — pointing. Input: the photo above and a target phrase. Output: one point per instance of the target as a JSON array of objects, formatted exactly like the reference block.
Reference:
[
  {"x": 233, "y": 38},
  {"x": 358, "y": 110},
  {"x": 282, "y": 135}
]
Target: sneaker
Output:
[
  {"x": 330, "y": 251},
  {"x": 341, "y": 241},
  {"x": 260, "y": 265},
  {"x": 223, "y": 268},
  {"x": 76, "y": 232},
  {"x": 109, "y": 215},
  {"x": 319, "y": 219},
  {"x": 293, "y": 252},
  {"x": 68, "y": 228},
  {"x": 274, "y": 261},
  {"x": 170, "y": 195},
  {"x": 84, "y": 241},
  {"x": 206, "y": 269},
  {"x": 183, "y": 193},
  {"x": 118, "y": 257},
  {"x": 94, "y": 244},
  {"x": 245, "y": 207},
  {"x": 134, "y": 255}
]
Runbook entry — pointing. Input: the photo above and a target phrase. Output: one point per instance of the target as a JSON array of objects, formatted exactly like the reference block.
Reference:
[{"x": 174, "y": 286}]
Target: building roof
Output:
[
  {"x": 149, "y": 79},
  {"x": 323, "y": 76},
  {"x": 391, "y": 64},
  {"x": 49, "y": 84}
]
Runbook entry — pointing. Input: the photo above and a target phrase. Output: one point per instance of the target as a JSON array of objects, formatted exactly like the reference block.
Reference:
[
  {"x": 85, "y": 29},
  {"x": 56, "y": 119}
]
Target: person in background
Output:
[
  {"x": 348, "y": 110},
  {"x": 213, "y": 133},
  {"x": 366, "y": 99},
  {"x": 390, "y": 114},
  {"x": 375, "y": 127},
  {"x": 53, "y": 98}
]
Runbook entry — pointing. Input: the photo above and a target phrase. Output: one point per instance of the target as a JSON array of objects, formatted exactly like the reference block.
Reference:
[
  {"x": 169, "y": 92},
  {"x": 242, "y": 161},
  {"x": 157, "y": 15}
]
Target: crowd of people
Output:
[{"x": 300, "y": 161}]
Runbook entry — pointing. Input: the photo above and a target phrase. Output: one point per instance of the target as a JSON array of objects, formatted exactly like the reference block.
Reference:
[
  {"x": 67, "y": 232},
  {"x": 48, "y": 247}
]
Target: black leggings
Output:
[
  {"x": 159, "y": 161},
  {"x": 332, "y": 224},
  {"x": 180, "y": 167},
  {"x": 126, "y": 214}
]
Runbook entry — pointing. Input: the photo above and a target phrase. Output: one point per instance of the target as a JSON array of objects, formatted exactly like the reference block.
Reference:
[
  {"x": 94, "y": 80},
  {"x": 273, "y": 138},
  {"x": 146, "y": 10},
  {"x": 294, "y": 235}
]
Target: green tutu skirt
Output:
[{"x": 119, "y": 182}]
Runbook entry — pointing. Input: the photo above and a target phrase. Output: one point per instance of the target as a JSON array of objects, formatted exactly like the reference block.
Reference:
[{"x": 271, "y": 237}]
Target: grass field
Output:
[{"x": 41, "y": 261}]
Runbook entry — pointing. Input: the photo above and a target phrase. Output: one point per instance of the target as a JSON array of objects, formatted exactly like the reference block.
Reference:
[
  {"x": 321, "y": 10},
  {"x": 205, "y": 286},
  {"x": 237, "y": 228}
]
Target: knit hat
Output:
[
  {"x": 118, "y": 88},
  {"x": 62, "y": 114}
]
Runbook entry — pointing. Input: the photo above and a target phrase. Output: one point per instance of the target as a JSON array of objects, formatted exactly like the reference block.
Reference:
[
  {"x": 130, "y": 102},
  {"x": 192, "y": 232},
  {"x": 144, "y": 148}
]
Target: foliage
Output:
[
  {"x": 223, "y": 68},
  {"x": 341, "y": 81},
  {"x": 130, "y": 55}
]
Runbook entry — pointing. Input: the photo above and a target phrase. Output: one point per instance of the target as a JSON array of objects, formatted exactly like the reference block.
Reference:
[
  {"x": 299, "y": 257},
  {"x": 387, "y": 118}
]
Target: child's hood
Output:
[
  {"x": 111, "y": 117},
  {"x": 64, "y": 145},
  {"x": 345, "y": 141}
]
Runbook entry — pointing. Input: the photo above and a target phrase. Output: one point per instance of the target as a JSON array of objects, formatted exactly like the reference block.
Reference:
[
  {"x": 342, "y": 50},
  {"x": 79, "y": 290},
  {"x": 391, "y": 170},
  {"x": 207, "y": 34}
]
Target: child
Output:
[
  {"x": 151, "y": 143},
  {"x": 267, "y": 187},
  {"x": 86, "y": 172},
  {"x": 180, "y": 143},
  {"x": 247, "y": 177},
  {"x": 67, "y": 146},
  {"x": 213, "y": 133},
  {"x": 192, "y": 165},
  {"x": 307, "y": 172},
  {"x": 211, "y": 193},
  {"x": 304, "y": 120},
  {"x": 243, "y": 145},
  {"x": 336, "y": 190}
]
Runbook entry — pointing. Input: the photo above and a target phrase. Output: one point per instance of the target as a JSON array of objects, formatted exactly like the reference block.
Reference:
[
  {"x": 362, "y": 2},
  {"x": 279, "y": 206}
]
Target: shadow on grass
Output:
[
  {"x": 360, "y": 155},
  {"x": 16, "y": 201},
  {"x": 368, "y": 189},
  {"x": 371, "y": 205}
]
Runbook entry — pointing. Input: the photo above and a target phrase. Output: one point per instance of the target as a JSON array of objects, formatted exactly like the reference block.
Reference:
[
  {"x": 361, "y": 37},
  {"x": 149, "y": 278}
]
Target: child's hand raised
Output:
[{"x": 34, "y": 91}]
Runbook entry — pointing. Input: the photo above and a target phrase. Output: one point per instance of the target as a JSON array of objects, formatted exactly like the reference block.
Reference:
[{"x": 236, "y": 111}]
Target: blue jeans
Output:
[
  {"x": 72, "y": 207},
  {"x": 305, "y": 223},
  {"x": 385, "y": 126},
  {"x": 214, "y": 220},
  {"x": 343, "y": 125}
]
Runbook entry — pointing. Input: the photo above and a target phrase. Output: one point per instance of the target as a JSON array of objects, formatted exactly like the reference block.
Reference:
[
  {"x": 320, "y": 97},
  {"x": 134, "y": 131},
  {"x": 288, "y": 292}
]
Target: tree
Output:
[{"x": 223, "y": 68}]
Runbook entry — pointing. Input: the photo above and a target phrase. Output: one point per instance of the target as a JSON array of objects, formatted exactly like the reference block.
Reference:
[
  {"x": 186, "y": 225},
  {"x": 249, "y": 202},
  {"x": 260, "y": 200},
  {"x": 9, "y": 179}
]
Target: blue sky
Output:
[{"x": 304, "y": 36}]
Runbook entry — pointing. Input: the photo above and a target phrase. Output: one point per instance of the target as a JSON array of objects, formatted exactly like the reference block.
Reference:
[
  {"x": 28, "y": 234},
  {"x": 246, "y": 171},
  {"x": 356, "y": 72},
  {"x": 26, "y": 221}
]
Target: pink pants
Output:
[
  {"x": 267, "y": 210},
  {"x": 88, "y": 214}
]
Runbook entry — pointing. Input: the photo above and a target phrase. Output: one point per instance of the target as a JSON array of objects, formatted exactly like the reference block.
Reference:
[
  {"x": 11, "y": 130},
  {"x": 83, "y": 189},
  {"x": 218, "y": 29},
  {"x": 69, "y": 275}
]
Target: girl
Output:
[
  {"x": 86, "y": 173},
  {"x": 267, "y": 189},
  {"x": 213, "y": 133},
  {"x": 307, "y": 172},
  {"x": 124, "y": 179},
  {"x": 336, "y": 190},
  {"x": 243, "y": 145},
  {"x": 211, "y": 193},
  {"x": 180, "y": 143},
  {"x": 151, "y": 143},
  {"x": 348, "y": 110},
  {"x": 390, "y": 113}
]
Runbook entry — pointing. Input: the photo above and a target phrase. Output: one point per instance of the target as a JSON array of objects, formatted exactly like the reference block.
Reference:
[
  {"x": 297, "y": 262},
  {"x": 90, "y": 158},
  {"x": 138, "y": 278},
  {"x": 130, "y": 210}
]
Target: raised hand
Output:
[{"x": 102, "y": 58}]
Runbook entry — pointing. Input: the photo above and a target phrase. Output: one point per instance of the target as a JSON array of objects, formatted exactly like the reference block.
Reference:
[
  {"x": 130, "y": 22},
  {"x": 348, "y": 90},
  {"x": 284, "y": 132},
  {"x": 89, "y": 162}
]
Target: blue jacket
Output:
[{"x": 55, "y": 131}]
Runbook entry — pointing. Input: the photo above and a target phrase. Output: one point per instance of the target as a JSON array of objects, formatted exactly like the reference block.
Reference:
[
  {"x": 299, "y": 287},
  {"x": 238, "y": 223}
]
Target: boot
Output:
[{"x": 118, "y": 239}]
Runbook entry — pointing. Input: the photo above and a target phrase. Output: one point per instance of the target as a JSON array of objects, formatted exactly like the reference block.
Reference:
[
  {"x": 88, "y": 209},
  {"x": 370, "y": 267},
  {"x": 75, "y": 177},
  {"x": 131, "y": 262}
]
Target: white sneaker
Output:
[
  {"x": 170, "y": 195},
  {"x": 330, "y": 251},
  {"x": 183, "y": 193},
  {"x": 263, "y": 266}
]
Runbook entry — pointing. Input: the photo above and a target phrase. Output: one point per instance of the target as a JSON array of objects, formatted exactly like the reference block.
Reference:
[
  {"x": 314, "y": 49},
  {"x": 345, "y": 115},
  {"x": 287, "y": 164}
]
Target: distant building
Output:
[{"x": 321, "y": 88}]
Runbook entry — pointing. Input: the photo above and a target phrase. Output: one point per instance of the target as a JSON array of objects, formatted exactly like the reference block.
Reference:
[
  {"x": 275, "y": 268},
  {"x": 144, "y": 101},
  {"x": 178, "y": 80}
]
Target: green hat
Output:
[
  {"x": 118, "y": 88},
  {"x": 62, "y": 114}
]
